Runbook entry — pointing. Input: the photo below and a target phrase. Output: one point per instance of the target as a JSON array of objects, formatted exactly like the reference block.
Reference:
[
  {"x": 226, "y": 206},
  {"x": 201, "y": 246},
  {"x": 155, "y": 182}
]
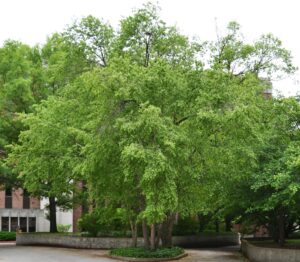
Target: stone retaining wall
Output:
[
  {"x": 111, "y": 242},
  {"x": 206, "y": 241},
  {"x": 265, "y": 254},
  {"x": 74, "y": 241}
]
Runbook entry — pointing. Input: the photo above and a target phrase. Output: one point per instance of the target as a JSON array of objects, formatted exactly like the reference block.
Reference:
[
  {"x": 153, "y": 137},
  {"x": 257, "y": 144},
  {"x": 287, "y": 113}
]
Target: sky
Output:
[{"x": 31, "y": 21}]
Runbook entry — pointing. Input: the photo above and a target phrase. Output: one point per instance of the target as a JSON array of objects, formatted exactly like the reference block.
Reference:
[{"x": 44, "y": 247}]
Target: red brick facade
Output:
[
  {"x": 17, "y": 200},
  {"x": 2, "y": 199},
  {"x": 77, "y": 212}
]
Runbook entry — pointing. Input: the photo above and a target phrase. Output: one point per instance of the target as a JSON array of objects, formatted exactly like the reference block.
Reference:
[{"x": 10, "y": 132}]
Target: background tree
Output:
[
  {"x": 21, "y": 86},
  {"x": 276, "y": 179},
  {"x": 94, "y": 37},
  {"x": 45, "y": 153}
]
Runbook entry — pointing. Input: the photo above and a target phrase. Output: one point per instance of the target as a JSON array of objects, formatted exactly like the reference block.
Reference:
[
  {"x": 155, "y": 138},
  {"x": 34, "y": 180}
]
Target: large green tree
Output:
[{"x": 152, "y": 129}]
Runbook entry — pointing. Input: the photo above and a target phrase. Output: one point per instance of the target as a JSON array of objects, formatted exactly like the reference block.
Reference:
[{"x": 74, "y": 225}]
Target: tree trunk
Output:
[
  {"x": 133, "y": 226},
  {"x": 158, "y": 235},
  {"x": 145, "y": 235},
  {"x": 52, "y": 215},
  {"x": 166, "y": 231},
  {"x": 217, "y": 226},
  {"x": 203, "y": 221},
  {"x": 227, "y": 224},
  {"x": 281, "y": 227},
  {"x": 152, "y": 237}
]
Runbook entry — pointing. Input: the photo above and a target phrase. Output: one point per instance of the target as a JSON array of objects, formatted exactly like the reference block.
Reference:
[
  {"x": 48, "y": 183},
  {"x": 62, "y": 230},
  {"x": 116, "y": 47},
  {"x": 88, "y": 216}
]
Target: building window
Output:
[
  {"x": 26, "y": 200},
  {"x": 23, "y": 224},
  {"x": 8, "y": 198},
  {"x": 5, "y": 223},
  {"x": 32, "y": 224},
  {"x": 13, "y": 224}
]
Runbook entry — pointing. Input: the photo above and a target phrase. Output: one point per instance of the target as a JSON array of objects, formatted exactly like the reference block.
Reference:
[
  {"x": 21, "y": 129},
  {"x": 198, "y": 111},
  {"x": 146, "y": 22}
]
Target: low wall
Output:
[
  {"x": 114, "y": 242},
  {"x": 73, "y": 241},
  {"x": 206, "y": 241},
  {"x": 265, "y": 254}
]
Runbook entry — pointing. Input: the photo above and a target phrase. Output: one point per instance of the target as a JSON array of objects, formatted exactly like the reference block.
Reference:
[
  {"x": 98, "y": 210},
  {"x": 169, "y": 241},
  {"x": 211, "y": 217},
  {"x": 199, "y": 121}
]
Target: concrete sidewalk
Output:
[
  {"x": 12, "y": 253},
  {"x": 229, "y": 254}
]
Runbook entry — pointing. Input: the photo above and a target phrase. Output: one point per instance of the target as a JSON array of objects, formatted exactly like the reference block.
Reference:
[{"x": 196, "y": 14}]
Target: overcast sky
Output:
[{"x": 30, "y": 21}]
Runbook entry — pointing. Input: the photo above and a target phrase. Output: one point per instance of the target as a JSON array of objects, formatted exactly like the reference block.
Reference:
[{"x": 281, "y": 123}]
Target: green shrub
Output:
[
  {"x": 90, "y": 223},
  {"x": 63, "y": 228},
  {"x": 102, "y": 223},
  {"x": 186, "y": 226},
  {"x": 6, "y": 236},
  {"x": 295, "y": 235},
  {"x": 141, "y": 252}
]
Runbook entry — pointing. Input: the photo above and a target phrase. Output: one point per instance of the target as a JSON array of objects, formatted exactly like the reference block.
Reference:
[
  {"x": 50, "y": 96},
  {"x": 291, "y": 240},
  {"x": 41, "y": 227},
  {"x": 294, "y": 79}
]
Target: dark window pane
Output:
[
  {"x": 32, "y": 226},
  {"x": 26, "y": 202},
  {"x": 23, "y": 224},
  {"x": 8, "y": 202},
  {"x": 4, "y": 222},
  {"x": 13, "y": 224},
  {"x": 25, "y": 193},
  {"x": 8, "y": 192}
]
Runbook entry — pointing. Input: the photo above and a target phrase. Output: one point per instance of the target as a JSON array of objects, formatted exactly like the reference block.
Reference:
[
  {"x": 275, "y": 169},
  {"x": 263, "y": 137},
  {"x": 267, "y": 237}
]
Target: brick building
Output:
[
  {"x": 18, "y": 210},
  {"x": 29, "y": 214}
]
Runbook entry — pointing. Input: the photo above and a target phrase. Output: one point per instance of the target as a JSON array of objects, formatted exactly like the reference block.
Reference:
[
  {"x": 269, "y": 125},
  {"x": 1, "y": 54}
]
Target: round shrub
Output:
[{"x": 140, "y": 252}]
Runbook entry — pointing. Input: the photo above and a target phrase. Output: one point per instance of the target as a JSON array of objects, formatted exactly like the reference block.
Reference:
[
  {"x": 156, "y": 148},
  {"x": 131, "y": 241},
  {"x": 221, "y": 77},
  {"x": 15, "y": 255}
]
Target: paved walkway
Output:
[
  {"x": 11, "y": 253},
  {"x": 49, "y": 254},
  {"x": 228, "y": 254}
]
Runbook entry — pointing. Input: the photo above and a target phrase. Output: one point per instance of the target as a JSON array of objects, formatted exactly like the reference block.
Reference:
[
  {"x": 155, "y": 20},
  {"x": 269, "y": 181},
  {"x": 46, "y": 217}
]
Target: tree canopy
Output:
[{"x": 150, "y": 126}]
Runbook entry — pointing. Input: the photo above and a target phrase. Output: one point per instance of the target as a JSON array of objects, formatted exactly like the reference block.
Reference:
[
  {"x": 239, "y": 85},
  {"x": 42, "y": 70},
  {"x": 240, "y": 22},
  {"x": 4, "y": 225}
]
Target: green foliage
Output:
[
  {"x": 37, "y": 147},
  {"x": 151, "y": 128},
  {"x": 94, "y": 37},
  {"x": 295, "y": 235},
  {"x": 266, "y": 57},
  {"x": 63, "y": 228},
  {"x": 64, "y": 60},
  {"x": 7, "y": 236},
  {"x": 97, "y": 224},
  {"x": 21, "y": 86},
  {"x": 146, "y": 253},
  {"x": 90, "y": 223},
  {"x": 186, "y": 226}
]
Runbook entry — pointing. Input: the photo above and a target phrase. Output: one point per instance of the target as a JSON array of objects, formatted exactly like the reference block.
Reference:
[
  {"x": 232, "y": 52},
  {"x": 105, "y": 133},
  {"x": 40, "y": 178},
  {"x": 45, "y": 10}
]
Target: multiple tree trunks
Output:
[{"x": 159, "y": 233}]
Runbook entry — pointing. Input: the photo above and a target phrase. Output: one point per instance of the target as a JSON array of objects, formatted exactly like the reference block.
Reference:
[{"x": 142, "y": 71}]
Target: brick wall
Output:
[
  {"x": 35, "y": 203},
  {"x": 17, "y": 200},
  {"x": 2, "y": 199}
]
